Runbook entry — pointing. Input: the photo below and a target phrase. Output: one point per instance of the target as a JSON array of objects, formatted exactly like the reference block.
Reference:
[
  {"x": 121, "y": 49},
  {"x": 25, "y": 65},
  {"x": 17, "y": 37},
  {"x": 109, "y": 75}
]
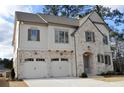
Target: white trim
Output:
[{"x": 42, "y": 18}]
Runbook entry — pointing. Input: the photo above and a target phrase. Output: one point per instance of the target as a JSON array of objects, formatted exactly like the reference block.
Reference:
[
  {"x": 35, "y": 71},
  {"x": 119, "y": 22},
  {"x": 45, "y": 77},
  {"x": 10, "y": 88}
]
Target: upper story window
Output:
[
  {"x": 90, "y": 36},
  {"x": 61, "y": 36},
  {"x": 105, "y": 39},
  {"x": 33, "y": 35}
]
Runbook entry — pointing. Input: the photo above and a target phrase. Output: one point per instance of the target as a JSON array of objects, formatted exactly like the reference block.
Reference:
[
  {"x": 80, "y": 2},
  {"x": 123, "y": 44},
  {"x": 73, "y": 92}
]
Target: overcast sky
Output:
[{"x": 6, "y": 25}]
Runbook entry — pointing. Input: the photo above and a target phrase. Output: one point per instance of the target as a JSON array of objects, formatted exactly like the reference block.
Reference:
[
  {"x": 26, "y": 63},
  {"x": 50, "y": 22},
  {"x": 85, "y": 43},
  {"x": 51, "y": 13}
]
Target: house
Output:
[{"x": 48, "y": 46}]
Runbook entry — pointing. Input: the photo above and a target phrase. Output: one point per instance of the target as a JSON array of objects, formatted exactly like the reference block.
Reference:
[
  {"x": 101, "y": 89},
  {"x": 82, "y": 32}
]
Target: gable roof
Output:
[
  {"x": 29, "y": 17},
  {"x": 60, "y": 20},
  {"x": 90, "y": 16},
  {"x": 45, "y": 19}
]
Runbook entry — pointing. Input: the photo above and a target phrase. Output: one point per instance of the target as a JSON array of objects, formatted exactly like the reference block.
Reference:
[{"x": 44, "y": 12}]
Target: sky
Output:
[{"x": 7, "y": 24}]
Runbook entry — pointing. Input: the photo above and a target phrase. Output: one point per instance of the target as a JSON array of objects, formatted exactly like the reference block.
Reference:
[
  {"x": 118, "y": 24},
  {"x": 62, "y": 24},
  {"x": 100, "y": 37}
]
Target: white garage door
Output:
[
  {"x": 34, "y": 68},
  {"x": 60, "y": 67}
]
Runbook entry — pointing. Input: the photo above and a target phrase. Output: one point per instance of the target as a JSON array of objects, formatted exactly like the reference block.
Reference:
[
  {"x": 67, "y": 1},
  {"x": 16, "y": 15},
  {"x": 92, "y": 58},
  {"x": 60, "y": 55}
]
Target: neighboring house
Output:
[{"x": 50, "y": 46}]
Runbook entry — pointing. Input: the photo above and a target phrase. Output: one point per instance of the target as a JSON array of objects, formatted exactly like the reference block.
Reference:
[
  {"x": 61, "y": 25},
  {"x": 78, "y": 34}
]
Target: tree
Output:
[
  {"x": 8, "y": 63},
  {"x": 66, "y": 10},
  {"x": 74, "y": 10},
  {"x": 108, "y": 14},
  {"x": 71, "y": 10},
  {"x": 52, "y": 10}
]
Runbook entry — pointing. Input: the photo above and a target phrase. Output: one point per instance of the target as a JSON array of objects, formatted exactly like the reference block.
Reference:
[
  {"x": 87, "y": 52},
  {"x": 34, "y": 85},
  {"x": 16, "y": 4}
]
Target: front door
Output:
[{"x": 86, "y": 64}]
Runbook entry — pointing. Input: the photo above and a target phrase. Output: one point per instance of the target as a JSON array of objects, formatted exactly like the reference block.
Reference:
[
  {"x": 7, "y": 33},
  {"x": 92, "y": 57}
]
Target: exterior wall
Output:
[
  {"x": 47, "y": 38},
  {"x": 95, "y": 48},
  {"x": 33, "y": 45},
  {"x": 59, "y": 46},
  {"x": 43, "y": 46},
  {"x": 16, "y": 37},
  {"x": 16, "y": 45}
]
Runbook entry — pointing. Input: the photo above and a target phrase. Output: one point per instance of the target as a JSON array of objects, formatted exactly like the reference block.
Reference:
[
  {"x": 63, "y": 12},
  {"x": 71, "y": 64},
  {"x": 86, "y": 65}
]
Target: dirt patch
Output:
[
  {"x": 3, "y": 82},
  {"x": 7, "y": 83},
  {"x": 111, "y": 79},
  {"x": 17, "y": 84}
]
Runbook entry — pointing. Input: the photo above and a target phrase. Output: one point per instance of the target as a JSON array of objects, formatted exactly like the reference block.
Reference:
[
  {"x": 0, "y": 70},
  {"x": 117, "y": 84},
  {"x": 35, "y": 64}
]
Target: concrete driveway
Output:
[{"x": 71, "y": 82}]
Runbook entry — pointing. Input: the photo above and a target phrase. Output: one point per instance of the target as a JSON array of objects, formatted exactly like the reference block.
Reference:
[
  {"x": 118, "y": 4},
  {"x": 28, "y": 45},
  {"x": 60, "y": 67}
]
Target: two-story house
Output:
[{"x": 51, "y": 46}]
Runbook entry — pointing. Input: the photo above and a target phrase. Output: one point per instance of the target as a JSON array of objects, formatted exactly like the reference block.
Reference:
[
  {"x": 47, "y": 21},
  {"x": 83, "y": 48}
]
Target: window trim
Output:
[
  {"x": 30, "y": 34},
  {"x": 64, "y": 59},
  {"x": 40, "y": 59},
  {"x": 89, "y": 36},
  {"x": 29, "y": 59},
  {"x": 57, "y": 36},
  {"x": 54, "y": 59},
  {"x": 105, "y": 40},
  {"x": 100, "y": 58},
  {"x": 107, "y": 60}
]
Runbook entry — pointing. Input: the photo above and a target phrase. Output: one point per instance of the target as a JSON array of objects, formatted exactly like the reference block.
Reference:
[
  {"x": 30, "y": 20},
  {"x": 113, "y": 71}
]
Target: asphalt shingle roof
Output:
[
  {"x": 29, "y": 17},
  {"x": 41, "y": 18}
]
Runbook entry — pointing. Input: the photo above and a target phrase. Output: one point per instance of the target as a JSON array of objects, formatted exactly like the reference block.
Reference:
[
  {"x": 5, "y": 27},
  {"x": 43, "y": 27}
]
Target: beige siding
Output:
[
  {"x": 33, "y": 45},
  {"x": 59, "y": 46}
]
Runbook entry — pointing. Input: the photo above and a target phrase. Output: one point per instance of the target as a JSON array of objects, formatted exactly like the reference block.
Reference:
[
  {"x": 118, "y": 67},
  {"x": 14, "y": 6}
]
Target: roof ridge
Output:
[
  {"x": 41, "y": 18},
  {"x": 58, "y": 16}
]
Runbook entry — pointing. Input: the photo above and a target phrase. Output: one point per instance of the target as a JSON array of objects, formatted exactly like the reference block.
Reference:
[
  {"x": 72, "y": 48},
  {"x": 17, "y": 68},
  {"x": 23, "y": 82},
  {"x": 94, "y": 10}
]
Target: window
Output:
[
  {"x": 55, "y": 59},
  {"x": 29, "y": 59},
  {"x": 100, "y": 58},
  {"x": 33, "y": 35},
  {"x": 107, "y": 60},
  {"x": 61, "y": 36},
  {"x": 40, "y": 59},
  {"x": 105, "y": 40},
  {"x": 64, "y": 59},
  {"x": 90, "y": 36}
]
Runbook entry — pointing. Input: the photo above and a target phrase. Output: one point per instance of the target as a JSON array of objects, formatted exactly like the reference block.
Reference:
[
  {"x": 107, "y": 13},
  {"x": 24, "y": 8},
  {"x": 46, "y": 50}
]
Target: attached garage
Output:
[{"x": 39, "y": 68}]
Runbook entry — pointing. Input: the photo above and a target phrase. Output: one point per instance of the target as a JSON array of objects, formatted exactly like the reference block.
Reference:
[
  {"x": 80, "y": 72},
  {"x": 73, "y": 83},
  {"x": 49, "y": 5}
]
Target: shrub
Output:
[
  {"x": 103, "y": 73},
  {"x": 83, "y": 75},
  {"x": 110, "y": 73},
  {"x": 119, "y": 73},
  {"x": 12, "y": 74}
]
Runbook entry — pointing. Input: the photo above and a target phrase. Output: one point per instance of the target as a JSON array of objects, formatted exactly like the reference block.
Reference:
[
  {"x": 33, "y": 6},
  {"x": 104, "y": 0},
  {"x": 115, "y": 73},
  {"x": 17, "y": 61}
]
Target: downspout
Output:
[
  {"x": 73, "y": 34},
  {"x": 75, "y": 55},
  {"x": 18, "y": 58}
]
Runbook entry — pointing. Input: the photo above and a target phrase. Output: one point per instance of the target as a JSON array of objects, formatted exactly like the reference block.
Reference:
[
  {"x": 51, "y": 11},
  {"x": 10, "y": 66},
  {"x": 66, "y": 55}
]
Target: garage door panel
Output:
[
  {"x": 60, "y": 68},
  {"x": 34, "y": 69},
  {"x": 41, "y": 69}
]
